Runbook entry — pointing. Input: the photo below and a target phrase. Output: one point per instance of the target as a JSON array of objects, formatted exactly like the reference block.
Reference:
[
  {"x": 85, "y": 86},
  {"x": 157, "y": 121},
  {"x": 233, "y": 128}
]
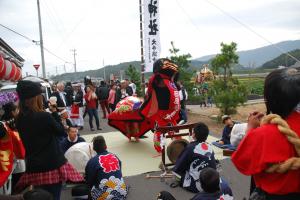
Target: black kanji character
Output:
[
  {"x": 154, "y": 54},
  {"x": 152, "y": 8},
  {"x": 153, "y": 27},
  {"x": 153, "y": 42}
]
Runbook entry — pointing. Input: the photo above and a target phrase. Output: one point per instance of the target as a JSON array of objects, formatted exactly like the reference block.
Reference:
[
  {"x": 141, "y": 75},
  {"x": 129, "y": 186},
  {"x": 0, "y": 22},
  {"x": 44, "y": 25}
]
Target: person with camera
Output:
[{"x": 46, "y": 166}]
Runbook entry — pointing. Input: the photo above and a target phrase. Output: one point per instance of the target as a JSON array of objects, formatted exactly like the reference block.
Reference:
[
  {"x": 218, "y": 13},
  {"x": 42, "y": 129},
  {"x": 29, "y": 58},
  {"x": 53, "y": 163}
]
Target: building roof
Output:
[{"x": 9, "y": 51}]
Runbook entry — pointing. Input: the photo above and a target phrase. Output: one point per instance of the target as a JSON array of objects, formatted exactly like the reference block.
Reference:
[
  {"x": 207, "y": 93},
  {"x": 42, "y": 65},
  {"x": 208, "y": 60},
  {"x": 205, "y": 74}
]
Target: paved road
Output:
[{"x": 103, "y": 124}]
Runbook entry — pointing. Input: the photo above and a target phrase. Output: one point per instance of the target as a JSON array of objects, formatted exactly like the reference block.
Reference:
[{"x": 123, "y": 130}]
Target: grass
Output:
[{"x": 254, "y": 85}]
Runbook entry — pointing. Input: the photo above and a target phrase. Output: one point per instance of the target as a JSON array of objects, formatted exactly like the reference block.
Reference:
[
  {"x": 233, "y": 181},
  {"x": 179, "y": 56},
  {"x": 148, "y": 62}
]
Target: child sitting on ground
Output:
[
  {"x": 103, "y": 173},
  {"x": 194, "y": 158},
  {"x": 213, "y": 187}
]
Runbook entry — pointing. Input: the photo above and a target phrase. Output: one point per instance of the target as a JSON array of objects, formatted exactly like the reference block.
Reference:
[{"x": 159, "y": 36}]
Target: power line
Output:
[
  {"x": 27, "y": 38},
  {"x": 239, "y": 22},
  {"x": 188, "y": 16},
  {"x": 55, "y": 21},
  {"x": 250, "y": 29},
  {"x": 54, "y": 54},
  {"x": 34, "y": 41}
]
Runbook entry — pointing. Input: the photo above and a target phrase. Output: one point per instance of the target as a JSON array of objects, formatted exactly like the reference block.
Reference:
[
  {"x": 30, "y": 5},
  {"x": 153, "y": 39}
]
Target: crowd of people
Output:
[
  {"x": 47, "y": 130},
  {"x": 81, "y": 99}
]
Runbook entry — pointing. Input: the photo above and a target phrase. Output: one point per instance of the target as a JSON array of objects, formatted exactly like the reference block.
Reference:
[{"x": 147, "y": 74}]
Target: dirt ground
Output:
[{"x": 198, "y": 114}]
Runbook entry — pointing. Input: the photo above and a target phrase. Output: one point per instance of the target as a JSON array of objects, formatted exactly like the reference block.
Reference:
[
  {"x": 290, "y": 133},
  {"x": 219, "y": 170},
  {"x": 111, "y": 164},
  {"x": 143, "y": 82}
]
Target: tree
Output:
[
  {"x": 183, "y": 62},
  {"x": 226, "y": 91},
  {"x": 134, "y": 76}
]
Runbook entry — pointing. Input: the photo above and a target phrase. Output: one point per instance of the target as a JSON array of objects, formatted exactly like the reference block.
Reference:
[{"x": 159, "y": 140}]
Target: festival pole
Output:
[{"x": 142, "y": 49}]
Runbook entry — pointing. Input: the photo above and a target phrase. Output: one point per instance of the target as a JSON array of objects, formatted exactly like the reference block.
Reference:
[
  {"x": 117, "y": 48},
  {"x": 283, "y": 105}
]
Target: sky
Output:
[{"x": 107, "y": 32}]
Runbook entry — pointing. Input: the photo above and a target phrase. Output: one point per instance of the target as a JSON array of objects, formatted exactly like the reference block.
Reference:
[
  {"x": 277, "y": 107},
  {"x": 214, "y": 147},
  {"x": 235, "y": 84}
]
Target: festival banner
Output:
[{"x": 151, "y": 33}]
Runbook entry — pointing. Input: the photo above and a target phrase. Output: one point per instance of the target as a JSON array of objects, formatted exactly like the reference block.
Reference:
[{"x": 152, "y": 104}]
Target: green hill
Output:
[
  {"x": 254, "y": 58},
  {"x": 117, "y": 70},
  {"x": 282, "y": 60}
]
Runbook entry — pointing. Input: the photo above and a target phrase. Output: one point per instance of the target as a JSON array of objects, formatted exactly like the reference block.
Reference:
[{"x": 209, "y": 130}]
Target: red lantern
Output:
[
  {"x": 10, "y": 70},
  {"x": 1, "y": 62},
  {"x": 2, "y": 67},
  {"x": 18, "y": 74}
]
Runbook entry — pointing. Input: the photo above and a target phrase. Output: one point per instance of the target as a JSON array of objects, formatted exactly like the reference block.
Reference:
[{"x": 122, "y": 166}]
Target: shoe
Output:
[
  {"x": 99, "y": 129},
  {"x": 92, "y": 129}
]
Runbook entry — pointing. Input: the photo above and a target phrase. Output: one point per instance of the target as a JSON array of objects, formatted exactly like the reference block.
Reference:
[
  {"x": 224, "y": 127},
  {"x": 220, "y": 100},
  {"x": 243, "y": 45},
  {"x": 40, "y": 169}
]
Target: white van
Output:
[{"x": 46, "y": 87}]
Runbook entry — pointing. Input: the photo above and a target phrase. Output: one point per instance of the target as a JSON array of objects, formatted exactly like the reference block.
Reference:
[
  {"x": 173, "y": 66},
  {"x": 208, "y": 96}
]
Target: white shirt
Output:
[
  {"x": 181, "y": 95},
  {"x": 237, "y": 133},
  {"x": 62, "y": 96},
  {"x": 133, "y": 86}
]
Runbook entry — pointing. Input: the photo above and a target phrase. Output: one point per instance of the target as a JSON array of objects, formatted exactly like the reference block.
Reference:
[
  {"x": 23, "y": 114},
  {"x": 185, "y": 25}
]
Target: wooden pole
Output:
[{"x": 142, "y": 49}]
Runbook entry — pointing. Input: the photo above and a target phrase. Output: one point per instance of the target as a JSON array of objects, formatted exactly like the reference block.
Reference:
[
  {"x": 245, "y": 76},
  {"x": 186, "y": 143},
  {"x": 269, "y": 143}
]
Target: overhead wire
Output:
[
  {"x": 187, "y": 15},
  {"x": 84, "y": 16},
  {"x": 239, "y": 22},
  {"x": 27, "y": 38},
  {"x": 34, "y": 41},
  {"x": 251, "y": 29},
  {"x": 54, "y": 21}
]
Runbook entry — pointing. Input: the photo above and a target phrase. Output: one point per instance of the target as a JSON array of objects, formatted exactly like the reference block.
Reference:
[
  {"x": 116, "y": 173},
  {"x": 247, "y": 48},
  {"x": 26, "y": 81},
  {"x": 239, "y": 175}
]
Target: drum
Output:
[
  {"x": 79, "y": 154},
  {"x": 175, "y": 148}
]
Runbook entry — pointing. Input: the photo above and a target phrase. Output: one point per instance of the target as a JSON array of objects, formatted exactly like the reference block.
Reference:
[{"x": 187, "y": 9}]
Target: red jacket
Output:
[
  {"x": 266, "y": 145},
  {"x": 90, "y": 104}
]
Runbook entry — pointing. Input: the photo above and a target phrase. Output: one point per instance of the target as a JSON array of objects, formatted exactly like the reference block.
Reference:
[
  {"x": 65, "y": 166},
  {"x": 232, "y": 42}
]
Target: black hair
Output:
[
  {"x": 72, "y": 126},
  {"x": 8, "y": 109},
  {"x": 165, "y": 195},
  {"x": 99, "y": 144},
  {"x": 3, "y": 130},
  {"x": 37, "y": 194},
  {"x": 282, "y": 91},
  {"x": 210, "y": 180},
  {"x": 201, "y": 132},
  {"x": 102, "y": 83}
]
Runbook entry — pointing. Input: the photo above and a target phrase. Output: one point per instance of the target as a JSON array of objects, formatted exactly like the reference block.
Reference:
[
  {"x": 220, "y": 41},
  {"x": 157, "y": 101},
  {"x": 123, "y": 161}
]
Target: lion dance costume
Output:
[{"x": 161, "y": 106}]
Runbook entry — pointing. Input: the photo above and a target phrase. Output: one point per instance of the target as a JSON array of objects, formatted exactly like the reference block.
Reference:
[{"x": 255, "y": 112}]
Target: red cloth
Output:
[
  {"x": 65, "y": 173},
  {"x": 266, "y": 145},
  {"x": 74, "y": 111},
  {"x": 10, "y": 146},
  {"x": 127, "y": 118},
  {"x": 90, "y": 104}
]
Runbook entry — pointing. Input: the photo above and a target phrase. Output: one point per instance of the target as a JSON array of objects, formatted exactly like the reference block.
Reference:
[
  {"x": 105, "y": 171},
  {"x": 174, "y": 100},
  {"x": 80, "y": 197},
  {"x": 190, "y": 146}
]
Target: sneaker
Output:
[
  {"x": 92, "y": 129},
  {"x": 99, "y": 129}
]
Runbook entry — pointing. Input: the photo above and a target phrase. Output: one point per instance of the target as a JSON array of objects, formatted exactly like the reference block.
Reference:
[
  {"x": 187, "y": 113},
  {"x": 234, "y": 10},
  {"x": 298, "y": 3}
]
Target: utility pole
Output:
[
  {"x": 142, "y": 49},
  {"x": 41, "y": 40},
  {"x": 65, "y": 68},
  {"x": 56, "y": 70},
  {"x": 74, "y": 54},
  {"x": 104, "y": 74}
]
